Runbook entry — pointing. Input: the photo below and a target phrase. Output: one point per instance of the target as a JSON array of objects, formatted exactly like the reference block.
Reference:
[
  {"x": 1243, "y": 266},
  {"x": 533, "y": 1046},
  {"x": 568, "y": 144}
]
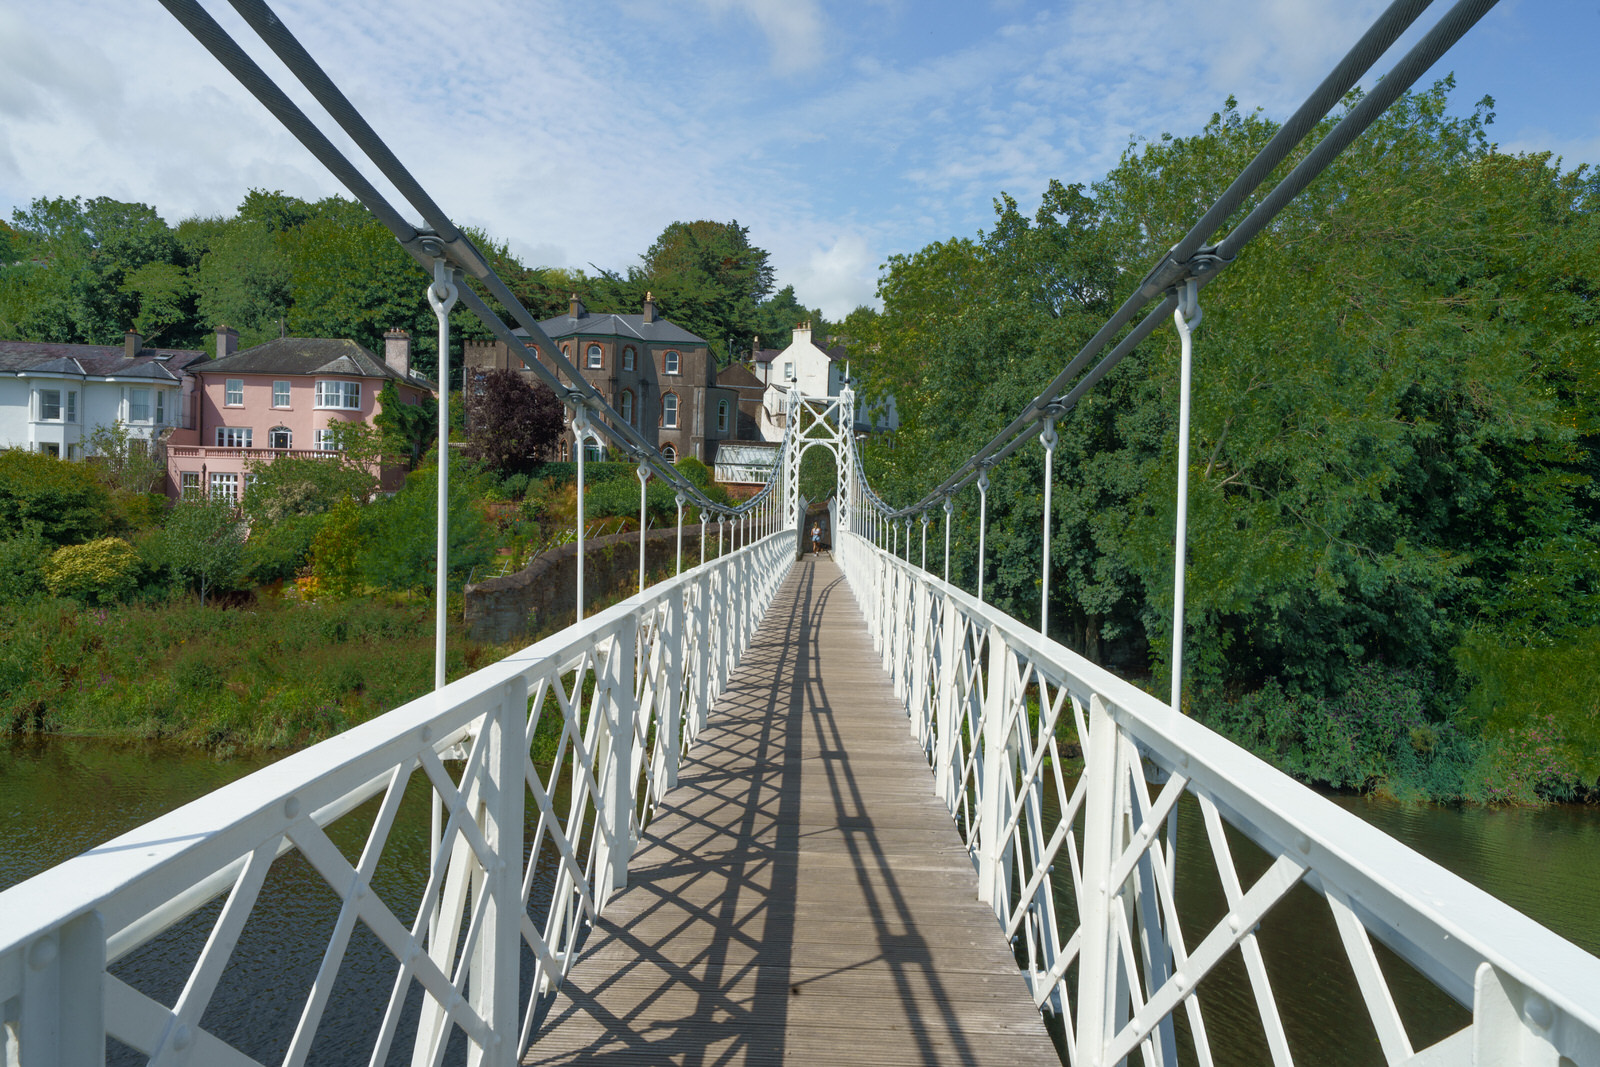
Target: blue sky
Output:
[{"x": 839, "y": 133}]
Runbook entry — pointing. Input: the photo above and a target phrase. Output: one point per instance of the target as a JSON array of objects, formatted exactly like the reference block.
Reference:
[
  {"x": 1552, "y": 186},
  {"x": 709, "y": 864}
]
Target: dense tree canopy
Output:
[{"x": 1394, "y": 420}]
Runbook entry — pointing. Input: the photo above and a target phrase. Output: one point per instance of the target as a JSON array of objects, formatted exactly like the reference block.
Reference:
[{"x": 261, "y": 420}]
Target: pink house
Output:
[{"x": 281, "y": 399}]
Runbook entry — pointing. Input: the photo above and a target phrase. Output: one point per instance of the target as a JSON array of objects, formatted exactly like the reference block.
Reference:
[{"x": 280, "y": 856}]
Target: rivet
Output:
[
  {"x": 43, "y": 952},
  {"x": 1180, "y": 982},
  {"x": 291, "y": 808},
  {"x": 1233, "y": 923}
]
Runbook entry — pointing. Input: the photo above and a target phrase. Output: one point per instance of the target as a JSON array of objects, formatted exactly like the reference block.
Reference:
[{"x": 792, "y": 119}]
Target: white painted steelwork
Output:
[
  {"x": 627, "y": 689},
  {"x": 1081, "y": 868}
]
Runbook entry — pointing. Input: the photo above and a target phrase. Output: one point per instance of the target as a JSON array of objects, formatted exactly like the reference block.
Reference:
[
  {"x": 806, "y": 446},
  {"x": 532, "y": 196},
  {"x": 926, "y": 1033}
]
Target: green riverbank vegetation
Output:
[{"x": 1393, "y": 575}]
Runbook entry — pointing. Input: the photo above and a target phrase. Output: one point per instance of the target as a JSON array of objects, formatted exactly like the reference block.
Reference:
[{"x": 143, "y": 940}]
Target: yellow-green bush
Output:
[{"x": 104, "y": 570}]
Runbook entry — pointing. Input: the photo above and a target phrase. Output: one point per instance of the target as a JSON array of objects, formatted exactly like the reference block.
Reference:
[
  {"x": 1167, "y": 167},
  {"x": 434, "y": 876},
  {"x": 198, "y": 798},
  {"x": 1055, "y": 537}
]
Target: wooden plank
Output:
[{"x": 801, "y": 896}]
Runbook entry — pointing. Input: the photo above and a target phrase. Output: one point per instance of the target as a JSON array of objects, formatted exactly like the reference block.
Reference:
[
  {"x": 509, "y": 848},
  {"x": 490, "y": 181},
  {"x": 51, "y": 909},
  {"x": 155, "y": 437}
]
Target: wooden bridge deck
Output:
[{"x": 802, "y": 896}]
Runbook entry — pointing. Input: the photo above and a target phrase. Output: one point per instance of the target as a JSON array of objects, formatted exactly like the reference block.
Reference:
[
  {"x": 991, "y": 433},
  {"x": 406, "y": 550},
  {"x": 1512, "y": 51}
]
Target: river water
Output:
[{"x": 60, "y": 797}]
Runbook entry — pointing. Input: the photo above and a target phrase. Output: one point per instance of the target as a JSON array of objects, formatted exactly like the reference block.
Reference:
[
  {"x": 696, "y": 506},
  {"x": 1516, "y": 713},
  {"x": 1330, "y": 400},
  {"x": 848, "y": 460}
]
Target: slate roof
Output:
[
  {"x": 767, "y": 355},
  {"x": 311, "y": 355},
  {"x": 611, "y": 325},
  {"x": 738, "y": 376},
  {"x": 96, "y": 361}
]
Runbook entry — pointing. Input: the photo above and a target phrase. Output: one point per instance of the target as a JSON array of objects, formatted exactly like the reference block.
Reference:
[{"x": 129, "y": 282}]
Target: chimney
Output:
[
  {"x": 227, "y": 341},
  {"x": 131, "y": 343},
  {"x": 802, "y": 333},
  {"x": 649, "y": 307},
  {"x": 575, "y": 308},
  {"x": 397, "y": 352}
]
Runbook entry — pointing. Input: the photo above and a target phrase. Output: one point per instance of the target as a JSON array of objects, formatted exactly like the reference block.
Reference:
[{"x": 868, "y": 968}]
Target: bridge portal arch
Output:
[{"x": 825, "y": 422}]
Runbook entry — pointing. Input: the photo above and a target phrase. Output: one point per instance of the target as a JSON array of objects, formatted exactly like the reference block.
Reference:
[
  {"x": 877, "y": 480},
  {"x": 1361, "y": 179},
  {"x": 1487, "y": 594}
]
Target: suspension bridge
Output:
[{"x": 785, "y": 808}]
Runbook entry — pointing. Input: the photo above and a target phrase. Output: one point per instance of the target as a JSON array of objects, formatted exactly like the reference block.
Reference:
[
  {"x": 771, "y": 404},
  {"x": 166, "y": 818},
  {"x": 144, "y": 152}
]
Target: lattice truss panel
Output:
[
  {"x": 468, "y": 840},
  {"x": 1151, "y": 876}
]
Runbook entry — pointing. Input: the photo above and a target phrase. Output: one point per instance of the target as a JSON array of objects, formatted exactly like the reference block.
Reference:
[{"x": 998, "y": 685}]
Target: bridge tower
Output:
[{"x": 828, "y": 421}]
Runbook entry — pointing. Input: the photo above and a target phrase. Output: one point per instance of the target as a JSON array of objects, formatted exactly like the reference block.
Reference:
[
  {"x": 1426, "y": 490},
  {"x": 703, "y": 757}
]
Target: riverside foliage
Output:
[{"x": 1393, "y": 515}]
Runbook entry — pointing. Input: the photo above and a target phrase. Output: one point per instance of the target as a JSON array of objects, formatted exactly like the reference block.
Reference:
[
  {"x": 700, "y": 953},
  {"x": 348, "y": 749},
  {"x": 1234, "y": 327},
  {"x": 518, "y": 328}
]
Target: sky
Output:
[{"x": 839, "y": 133}]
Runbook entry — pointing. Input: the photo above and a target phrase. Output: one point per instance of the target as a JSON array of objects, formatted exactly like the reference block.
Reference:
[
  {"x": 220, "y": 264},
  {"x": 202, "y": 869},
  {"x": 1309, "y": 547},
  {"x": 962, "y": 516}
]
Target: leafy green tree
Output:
[
  {"x": 124, "y": 463},
  {"x": 23, "y": 556},
  {"x": 203, "y": 543},
  {"x": 514, "y": 425},
  {"x": 399, "y": 549},
  {"x": 407, "y": 430},
  {"x": 335, "y": 553}
]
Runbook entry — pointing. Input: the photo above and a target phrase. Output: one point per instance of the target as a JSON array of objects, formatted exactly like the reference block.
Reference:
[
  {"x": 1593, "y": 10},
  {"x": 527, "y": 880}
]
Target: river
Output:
[{"x": 59, "y": 797}]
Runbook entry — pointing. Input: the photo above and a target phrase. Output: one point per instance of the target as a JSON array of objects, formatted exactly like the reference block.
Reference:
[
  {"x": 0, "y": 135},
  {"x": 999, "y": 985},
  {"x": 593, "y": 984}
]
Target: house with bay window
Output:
[
  {"x": 53, "y": 396},
  {"x": 284, "y": 398}
]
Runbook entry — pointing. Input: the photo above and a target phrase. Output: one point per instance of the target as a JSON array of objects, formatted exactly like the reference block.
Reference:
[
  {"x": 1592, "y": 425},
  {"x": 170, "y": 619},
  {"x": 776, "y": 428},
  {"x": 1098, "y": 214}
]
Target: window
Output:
[
  {"x": 788, "y": 371},
  {"x": 233, "y": 436},
  {"x": 672, "y": 362},
  {"x": 50, "y": 448},
  {"x": 593, "y": 453},
  {"x": 50, "y": 405},
  {"x": 191, "y": 485},
  {"x": 627, "y": 359},
  {"x": 280, "y": 394},
  {"x": 669, "y": 410},
  {"x": 161, "y": 407},
  {"x": 74, "y": 452},
  {"x": 138, "y": 405},
  {"x": 625, "y": 406},
  {"x": 72, "y": 405},
  {"x": 233, "y": 393},
  {"x": 279, "y": 437},
  {"x": 339, "y": 395},
  {"x": 328, "y": 441},
  {"x": 595, "y": 358},
  {"x": 670, "y": 453},
  {"x": 225, "y": 486},
  {"x": 563, "y": 451},
  {"x": 722, "y": 416}
]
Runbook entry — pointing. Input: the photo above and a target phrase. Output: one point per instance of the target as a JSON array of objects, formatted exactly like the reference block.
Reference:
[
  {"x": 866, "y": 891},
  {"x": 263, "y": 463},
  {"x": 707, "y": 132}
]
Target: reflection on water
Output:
[{"x": 61, "y": 797}]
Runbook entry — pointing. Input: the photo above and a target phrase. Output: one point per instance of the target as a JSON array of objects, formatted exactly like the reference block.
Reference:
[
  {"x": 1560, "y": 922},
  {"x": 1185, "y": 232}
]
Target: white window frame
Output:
[
  {"x": 338, "y": 395},
  {"x": 189, "y": 487},
  {"x": 669, "y": 411},
  {"x": 325, "y": 441},
  {"x": 595, "y": 357},
  {"x": 288, "y": 437},
  {"x": 627, "y": 359},
  {"x": 671, "y": 361},
  {"x": 670, "y": 453},
  {"x": 72, "y": 405},
  {"x": 45, "y": 405},
  {"x": 280, "y": 394},
  {"x": 722, "y": 416},
  {"x": 788, "y": 370},
  {"x": 234, "y": 436},
  {"x": 135, "y": 407},
  {"x": 224, "y": 485},
  {"x": 233, "y": 393},
  {"x": 625, "y": 406},
  {"x": 161, "y": 407}
]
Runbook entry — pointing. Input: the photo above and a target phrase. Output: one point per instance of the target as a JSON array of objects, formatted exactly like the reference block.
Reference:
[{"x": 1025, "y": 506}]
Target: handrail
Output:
[
  {"x": 985, "y": 695},
  {"x": 630, "y": 688}
]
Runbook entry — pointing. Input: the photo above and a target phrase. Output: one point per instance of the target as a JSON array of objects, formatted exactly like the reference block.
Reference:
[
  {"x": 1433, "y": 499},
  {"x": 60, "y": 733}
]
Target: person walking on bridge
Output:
[{"x": 816, "y": 538}]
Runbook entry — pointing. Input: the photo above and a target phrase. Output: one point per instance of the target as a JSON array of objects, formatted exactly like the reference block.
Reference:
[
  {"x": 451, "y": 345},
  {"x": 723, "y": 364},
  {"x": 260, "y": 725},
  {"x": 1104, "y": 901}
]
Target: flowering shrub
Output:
[{"x": 104, "y": 570}]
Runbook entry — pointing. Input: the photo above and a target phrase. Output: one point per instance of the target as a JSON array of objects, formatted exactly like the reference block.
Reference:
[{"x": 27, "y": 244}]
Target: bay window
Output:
[{"x": 331, "y": 394}]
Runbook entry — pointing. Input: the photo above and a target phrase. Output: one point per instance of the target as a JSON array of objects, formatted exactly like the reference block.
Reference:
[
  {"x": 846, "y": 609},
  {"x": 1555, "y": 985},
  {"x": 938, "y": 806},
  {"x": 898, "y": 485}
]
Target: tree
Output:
[
  {"x": 406, "y": 430},
  {"x": 124, "y": 463},
  {"x": 203, "y": 542},
  {"x": 398, "y": 535},
  {"x": 514, "y": 424},
  {"x": 65, "y": 499}
]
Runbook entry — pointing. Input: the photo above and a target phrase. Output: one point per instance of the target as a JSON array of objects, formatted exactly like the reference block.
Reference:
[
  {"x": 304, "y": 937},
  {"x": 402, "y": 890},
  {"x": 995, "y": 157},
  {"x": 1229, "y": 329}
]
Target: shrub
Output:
[
  {"x": 617, "y": 498},
  {"x": 23, "y": 556},
  {"x": 335, "y": 551},
  {"x": 566, "y": 473},
  {"x": 101, "y": 571},
  {"x": 65, "y": 499},
  {"x": 278, "y": 551}
]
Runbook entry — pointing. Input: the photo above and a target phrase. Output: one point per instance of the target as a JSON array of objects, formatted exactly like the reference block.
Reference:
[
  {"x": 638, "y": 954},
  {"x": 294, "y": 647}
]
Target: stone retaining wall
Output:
[{"x": 543, "y": 595}]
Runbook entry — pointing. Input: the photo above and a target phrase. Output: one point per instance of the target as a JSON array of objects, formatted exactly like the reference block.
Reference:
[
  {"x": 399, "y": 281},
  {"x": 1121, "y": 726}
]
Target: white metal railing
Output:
[
  {"x": 1082, "y": 869},
  {"x": 623, "y": 692}
]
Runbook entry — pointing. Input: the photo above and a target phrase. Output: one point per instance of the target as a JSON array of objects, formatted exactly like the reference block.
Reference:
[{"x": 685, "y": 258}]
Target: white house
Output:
[
  {"x": 52, "y": 396},
  {"x": 818, "y": 372}
]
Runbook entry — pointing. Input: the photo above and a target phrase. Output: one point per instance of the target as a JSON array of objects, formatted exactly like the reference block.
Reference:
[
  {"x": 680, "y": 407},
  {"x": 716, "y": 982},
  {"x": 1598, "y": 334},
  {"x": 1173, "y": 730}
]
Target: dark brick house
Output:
[{"x": 656, "y": 375}]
